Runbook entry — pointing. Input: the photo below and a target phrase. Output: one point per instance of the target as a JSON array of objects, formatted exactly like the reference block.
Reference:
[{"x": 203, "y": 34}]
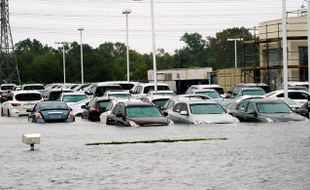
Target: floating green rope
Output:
[{"x": 157, "y": 141}]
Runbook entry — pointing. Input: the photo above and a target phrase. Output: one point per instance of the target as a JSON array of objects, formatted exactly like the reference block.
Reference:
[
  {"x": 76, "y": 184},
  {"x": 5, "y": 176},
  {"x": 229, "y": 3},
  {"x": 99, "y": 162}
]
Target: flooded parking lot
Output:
[{"x": 254, "y": 156}]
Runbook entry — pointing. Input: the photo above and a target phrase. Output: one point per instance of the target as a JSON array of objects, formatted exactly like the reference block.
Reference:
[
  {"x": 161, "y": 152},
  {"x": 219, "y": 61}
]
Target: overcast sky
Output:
[{"x": 51, "y": 21}]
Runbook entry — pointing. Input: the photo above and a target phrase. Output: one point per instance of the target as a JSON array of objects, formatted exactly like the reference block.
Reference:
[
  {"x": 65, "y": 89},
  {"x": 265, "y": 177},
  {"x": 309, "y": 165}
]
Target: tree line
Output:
[{"x": 40, "y": 63}]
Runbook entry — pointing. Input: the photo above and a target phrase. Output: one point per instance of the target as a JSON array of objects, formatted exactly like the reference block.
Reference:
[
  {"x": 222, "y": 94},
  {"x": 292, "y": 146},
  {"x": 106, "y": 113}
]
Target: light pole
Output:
[
  {"x": 235, "y": 40},
  {"x": 153, "y": 44},
  {"x": 81, "y": 49},
  {"x": 284, "y": 45},
  {"x": 308, "y": 7},
  {"x": 127, "y": 12},
  {"x": 63, "y": 58}
]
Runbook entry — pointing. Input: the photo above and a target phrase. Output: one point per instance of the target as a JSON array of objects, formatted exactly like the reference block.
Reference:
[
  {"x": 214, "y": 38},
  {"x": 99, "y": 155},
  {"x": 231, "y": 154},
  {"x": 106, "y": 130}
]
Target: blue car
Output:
[{"x": 51, "y": 111}]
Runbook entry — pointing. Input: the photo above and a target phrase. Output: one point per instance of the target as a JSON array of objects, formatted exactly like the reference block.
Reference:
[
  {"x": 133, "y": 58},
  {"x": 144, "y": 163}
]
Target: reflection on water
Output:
[{"x": 255, "y": 156}]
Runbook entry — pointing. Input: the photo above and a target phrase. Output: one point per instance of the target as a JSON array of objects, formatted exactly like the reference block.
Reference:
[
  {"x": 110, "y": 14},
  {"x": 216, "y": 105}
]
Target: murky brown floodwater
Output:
[{"x": 255, "y": 156}]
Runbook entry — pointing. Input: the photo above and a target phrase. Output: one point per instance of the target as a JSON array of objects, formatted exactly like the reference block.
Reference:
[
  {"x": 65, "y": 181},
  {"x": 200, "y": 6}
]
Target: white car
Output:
[
  {"x": 298, "y": 96},
  {"x": 199, "y": 112},
  {"x": 142, "y": 89},
  {"x": 75, "y": 100},
  {"x": 20, "y": 101}
]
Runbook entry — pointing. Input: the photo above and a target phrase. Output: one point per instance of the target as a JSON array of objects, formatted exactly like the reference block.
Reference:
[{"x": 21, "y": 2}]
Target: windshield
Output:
[
  {"x": 28, "y": 97},
  {"x": 143, "y": 111},
  {"x": 206, "y": 109},
  {"x": 74, "y": 98},
  {"x": 212, "y": 95},
  {"x": 253, "y": 92},
  {"x": 53, "y": 105},
  {"x": 273, "y": 108}
]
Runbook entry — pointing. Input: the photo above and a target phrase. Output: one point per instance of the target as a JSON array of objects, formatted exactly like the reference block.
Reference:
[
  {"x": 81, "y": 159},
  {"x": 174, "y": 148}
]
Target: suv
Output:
[
  {"x": 98, "y": 89},
  {"x": 142, "y": 89},
  {"x": 19, "y": 102}
]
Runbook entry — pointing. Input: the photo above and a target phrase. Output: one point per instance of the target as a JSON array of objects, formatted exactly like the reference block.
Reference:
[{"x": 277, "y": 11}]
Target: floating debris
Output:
[{"x": 157, "y": 141}]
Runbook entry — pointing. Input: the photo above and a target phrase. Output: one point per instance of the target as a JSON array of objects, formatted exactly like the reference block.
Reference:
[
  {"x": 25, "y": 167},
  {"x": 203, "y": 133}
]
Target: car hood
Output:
[
  {"x": 284, "y": 117},
  {"x": 150, "y": 121},
  {"x": 216, "y": 118}
]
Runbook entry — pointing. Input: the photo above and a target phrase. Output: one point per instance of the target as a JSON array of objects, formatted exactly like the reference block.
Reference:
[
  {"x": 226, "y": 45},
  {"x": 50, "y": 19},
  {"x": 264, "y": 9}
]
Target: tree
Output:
[{"x": 222, "y": 50}]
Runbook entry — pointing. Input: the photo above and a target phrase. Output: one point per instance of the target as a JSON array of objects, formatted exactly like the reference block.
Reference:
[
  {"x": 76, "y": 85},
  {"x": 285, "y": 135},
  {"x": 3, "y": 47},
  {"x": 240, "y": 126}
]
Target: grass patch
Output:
[{"x": 158, "y": 141}]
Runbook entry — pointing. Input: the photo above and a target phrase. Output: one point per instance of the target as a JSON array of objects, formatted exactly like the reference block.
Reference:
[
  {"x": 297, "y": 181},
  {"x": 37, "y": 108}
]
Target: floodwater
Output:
[{"x": 255, "y": 156}]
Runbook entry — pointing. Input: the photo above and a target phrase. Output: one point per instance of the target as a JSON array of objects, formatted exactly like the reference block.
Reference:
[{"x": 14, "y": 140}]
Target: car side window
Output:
[
  {"x": 251, "y": 107},
  {"x": 242, "y": 106},
  {"x": 183, "y": 107},
  {"x": 297, "y": 95},
  {"x": 138, "y": 89},
  {"x": 180, "y": 107},
  {"x": 177, "y": 108}
]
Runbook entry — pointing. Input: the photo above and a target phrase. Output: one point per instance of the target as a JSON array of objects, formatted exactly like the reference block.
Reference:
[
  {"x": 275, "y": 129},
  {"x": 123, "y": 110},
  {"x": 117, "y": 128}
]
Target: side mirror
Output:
[
  {"x": 83, "y": 107},
  {"x": 130, "y": 91},
  {"x": 252, "y": 113},
  {"x": 183, "y": 113},
  {"x": 88, "y": 92},
  {"x": 165, "y": 114}
]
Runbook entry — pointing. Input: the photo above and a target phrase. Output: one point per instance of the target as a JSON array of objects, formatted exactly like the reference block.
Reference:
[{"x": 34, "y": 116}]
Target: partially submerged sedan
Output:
[
  {"x": 135, "y": 114},
  {"x": 265, "y": 110},
  {"x": 199, "y": 112},
  {"x": 51, "y": 111}
]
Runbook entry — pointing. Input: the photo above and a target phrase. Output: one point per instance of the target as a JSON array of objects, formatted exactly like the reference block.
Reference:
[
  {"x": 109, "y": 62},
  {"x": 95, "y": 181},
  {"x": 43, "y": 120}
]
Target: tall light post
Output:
[
  {"x": 81, "y": 49},
  {"x": 127, "y": 12},
  {"x": 153, "y": 44},
  {"x": 236, "y": 56},
  {"x": 63, "y": 58},
  {"x": 284, "y": 45},
  {"x": 308, "y": 8}
]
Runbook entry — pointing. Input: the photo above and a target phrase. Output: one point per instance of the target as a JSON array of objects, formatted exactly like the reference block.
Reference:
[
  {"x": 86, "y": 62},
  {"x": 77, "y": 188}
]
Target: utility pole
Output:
[{"x": 8, "y": 64}]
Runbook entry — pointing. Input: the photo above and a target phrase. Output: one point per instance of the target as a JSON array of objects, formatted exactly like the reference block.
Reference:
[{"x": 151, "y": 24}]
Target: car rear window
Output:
[
  {"x": 7, "y": 87},
  {"x": 37, "y": 87},
  {"x": 159, "y": 87},
  {"x": 102, "y": 89},
  {"x": 28, "y": 97}
]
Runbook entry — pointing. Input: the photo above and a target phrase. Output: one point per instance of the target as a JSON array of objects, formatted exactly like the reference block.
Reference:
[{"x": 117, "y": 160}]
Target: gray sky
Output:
[{"x": 50, "y": 21}]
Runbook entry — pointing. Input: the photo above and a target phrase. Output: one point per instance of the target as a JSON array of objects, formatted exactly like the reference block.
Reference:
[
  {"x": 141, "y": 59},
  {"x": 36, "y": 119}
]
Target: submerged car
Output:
[
  {"x": 93, "y": 109},
  {"x": 19, "y": 101},
  {"x": 135, "y": 114},
  {"x": 200, "y": 112},
  {"x": 265, "y": 110},
  {"x": 51, "y": 111},
  {"x": 304, "y": 110}
]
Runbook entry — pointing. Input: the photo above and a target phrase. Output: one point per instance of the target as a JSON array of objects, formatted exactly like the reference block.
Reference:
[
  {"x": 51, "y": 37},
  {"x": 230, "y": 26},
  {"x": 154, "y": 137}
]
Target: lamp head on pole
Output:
[
  {"x": 81, "y": 28},
  {"x": 127, "y": 11}
]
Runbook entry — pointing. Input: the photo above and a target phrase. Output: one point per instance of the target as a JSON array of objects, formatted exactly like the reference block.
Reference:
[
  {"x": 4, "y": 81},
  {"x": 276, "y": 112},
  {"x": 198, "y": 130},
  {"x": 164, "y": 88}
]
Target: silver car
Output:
[{"x": 199, "y": 112}]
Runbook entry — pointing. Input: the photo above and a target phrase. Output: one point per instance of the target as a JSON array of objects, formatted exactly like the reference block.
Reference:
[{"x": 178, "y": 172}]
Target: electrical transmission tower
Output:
[{"x": 8, "y": 64}]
